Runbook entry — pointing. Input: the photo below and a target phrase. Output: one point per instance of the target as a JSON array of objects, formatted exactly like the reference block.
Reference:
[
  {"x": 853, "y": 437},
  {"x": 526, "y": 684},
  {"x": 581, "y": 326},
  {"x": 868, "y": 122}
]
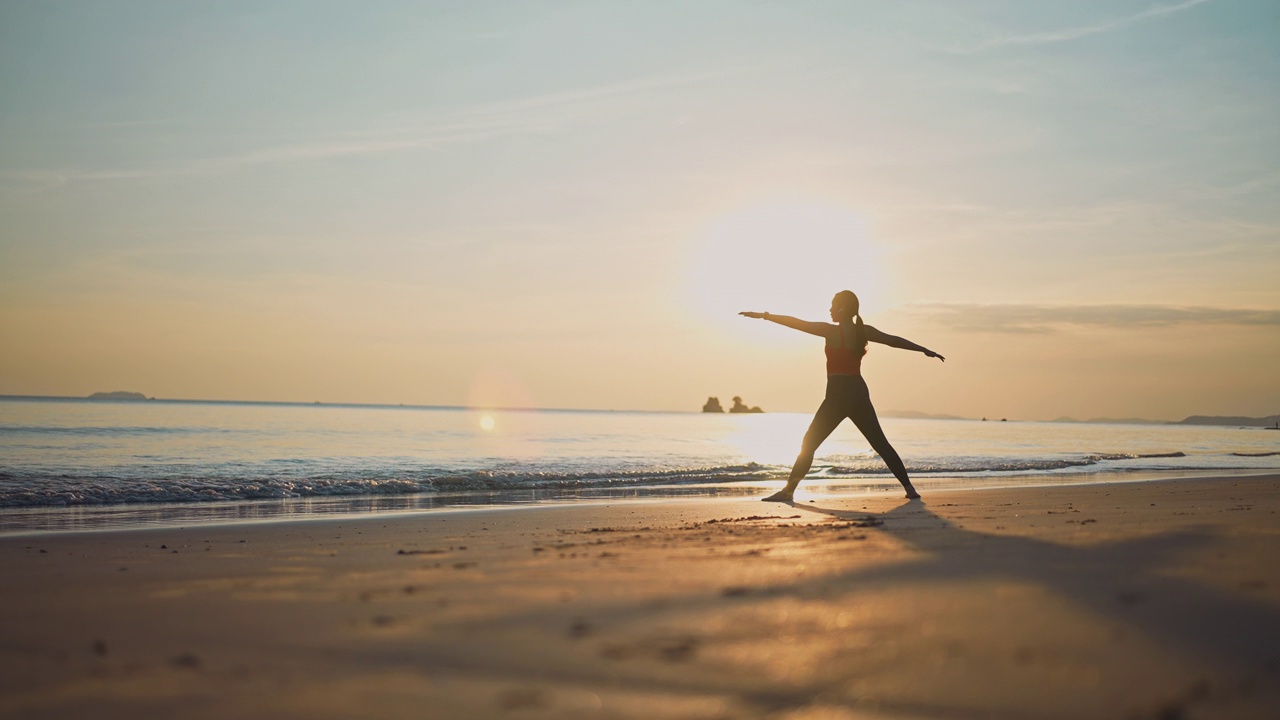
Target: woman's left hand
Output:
[{"x": 932, "y": 354}]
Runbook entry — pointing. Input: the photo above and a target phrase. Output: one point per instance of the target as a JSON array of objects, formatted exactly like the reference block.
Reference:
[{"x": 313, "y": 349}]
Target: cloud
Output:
[
  {"x": 342, "y": 145},
  {"x": 1067, "y": 34},
  {"x": 528, "y": 115},
  {"x": 1049, "y": 318}
]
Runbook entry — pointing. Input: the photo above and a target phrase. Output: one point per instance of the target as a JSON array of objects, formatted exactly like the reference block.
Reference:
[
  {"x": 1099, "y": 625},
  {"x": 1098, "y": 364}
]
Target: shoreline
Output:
[
  {"x": 1118, "y": 600},
  {"x": 124, "y": 517}
]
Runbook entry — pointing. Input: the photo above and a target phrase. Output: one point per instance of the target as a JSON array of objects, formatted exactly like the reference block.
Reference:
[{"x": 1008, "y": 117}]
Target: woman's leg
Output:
[
  {"x": 824, "y": 422},
  {"x": 864, "y": 416}
]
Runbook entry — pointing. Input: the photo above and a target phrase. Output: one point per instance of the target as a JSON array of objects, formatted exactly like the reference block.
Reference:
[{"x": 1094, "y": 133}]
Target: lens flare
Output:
[{"x": 495, "y": 387}]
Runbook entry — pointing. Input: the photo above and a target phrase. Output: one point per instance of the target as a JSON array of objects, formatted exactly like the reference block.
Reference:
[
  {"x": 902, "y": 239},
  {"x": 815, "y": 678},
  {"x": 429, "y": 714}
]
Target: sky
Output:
[{"x": 565, "y": 204}]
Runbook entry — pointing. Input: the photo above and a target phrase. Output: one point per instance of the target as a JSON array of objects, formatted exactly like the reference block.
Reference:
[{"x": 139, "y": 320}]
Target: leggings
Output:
[{"x": 847, "y": 397}]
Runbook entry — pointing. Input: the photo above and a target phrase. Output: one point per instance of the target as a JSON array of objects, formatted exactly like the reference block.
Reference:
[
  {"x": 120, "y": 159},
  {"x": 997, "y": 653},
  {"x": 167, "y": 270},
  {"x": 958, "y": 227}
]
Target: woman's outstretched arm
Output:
[
  {"x": 874, "y": 335},
  {"x": 820, "y": 329}
]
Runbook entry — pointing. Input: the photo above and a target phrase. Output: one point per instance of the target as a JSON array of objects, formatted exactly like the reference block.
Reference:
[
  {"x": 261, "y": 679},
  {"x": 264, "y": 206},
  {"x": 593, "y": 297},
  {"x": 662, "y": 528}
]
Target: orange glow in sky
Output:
[{"x": 526, "y": 205}]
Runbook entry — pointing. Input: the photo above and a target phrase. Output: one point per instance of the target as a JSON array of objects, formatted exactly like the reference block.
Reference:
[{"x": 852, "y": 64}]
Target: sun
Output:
[
  {"x": 487, "y": 423},
  {"x": 785, "y": 258}
]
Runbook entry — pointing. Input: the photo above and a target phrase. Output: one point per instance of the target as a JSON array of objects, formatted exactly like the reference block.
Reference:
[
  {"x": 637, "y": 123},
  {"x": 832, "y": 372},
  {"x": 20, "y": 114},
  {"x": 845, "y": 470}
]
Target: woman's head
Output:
[{"x": 844, "y": 306}]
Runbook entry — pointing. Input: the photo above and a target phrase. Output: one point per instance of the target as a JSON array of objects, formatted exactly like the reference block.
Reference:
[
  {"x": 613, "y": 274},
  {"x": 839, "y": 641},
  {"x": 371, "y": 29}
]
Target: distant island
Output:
[
  {"x": 1269, "y": 421},
  {"x": 118, "y": 395},
  {"x": 712, "y": 405}
]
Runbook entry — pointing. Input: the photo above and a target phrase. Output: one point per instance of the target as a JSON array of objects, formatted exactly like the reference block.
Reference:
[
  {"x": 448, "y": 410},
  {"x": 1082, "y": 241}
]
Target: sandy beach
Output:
[{"x": 1136, "y": 600}]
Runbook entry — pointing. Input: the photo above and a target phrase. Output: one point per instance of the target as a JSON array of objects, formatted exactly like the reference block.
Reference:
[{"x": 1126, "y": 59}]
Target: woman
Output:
[{"x": 847, "y": 395}]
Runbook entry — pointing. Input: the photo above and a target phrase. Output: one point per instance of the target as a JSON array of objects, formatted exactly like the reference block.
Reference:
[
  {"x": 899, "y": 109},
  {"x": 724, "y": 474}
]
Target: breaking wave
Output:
[{"x": 134, "y": 484}]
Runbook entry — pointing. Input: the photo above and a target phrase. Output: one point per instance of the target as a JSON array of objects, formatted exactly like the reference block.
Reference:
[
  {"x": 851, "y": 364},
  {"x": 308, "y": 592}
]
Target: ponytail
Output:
[
  {"x": 849, "y": 301},
  {"x": 859, "y": 334}
]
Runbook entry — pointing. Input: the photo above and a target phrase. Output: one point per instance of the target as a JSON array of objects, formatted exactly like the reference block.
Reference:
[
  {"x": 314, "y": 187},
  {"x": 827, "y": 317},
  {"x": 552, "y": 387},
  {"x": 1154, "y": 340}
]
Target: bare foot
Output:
[
  {"x": 780, "y": 496},
  {"x": 912, "y": 494}
]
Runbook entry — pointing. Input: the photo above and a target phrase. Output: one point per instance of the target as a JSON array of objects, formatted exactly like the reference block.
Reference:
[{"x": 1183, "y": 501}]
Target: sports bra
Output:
[{"x": 844, "y": 360}]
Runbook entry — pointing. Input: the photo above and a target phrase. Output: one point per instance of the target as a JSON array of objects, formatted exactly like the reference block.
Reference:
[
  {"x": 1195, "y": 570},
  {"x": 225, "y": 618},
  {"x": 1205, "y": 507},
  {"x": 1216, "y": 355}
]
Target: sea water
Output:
[{"x": 76, "y": 464}]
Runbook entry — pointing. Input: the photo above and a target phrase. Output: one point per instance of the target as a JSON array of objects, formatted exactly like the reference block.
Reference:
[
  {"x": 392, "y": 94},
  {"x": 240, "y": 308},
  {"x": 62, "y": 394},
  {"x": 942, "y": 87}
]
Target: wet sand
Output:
[{"x": 1138, "y": 600}]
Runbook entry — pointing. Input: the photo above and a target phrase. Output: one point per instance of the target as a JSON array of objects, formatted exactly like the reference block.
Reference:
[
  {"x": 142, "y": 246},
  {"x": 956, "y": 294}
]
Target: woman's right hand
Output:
[{"x": 756, "y": 315}]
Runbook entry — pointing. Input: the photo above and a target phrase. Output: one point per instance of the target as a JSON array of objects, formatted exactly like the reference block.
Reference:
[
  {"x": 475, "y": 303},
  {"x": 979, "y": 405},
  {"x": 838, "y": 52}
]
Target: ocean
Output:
[{"x": 81, "y": 465}]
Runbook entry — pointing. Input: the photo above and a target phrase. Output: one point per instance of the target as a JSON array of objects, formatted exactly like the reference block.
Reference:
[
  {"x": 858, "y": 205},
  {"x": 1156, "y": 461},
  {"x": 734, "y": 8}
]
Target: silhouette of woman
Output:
[{"x": 847, "y": 395}]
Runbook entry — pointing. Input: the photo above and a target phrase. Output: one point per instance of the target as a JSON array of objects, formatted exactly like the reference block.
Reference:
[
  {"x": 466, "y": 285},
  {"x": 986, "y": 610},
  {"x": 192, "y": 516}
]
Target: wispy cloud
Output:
[
  {"x": 1265, "y": 183},
  {"x": 1010, "y": 318},
  {"x": 373, "y": 142},
  {"x": 1174, "y": 226},
  {"x": 529, "y": 115},
  {"x": 1067, "y": 34}
]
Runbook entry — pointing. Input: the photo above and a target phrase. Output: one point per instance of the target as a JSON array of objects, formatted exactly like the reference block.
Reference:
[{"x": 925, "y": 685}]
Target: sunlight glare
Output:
[
  {"x": 786, "y": 258},
  {"x": 486, "y": 422},
  {"x": 771, "y": 439}
]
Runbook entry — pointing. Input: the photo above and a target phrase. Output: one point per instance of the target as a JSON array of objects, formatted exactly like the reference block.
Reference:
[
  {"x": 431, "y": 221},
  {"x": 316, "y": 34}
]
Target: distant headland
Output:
[
  {"x": 118, "y": 395},
  {"x": 712, "y": 405},
  {"x": 1271, "y": 421}
]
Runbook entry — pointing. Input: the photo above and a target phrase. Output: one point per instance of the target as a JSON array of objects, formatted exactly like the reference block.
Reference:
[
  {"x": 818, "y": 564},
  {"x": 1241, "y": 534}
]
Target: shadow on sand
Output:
[{"x": 1125, "y": 581}]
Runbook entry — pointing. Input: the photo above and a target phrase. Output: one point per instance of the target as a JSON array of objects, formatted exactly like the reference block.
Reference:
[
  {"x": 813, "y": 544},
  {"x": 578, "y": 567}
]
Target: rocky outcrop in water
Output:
[{"x": 117, "y": 395}]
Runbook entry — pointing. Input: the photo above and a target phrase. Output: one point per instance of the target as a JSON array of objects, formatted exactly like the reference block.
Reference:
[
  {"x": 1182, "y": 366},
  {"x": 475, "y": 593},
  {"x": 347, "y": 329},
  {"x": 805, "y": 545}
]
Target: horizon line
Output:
[
  {"x": 322, "y": 403},
  {"x": 899, "y": 414}
]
